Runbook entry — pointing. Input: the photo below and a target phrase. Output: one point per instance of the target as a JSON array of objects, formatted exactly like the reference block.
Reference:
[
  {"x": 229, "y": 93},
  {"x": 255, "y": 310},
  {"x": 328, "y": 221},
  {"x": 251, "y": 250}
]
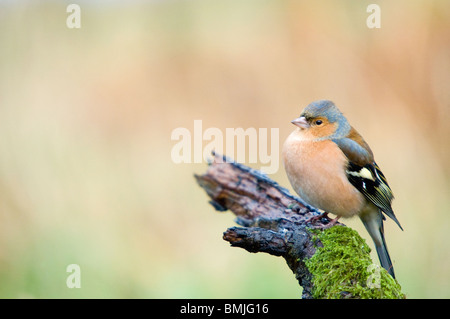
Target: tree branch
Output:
[{"x": 273, "y": 221}]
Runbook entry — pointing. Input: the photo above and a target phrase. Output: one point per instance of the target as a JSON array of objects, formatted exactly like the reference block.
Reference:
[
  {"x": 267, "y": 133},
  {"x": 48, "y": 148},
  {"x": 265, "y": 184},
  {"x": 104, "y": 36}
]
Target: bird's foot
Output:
[
  {"x": 295, "y": 208},
  {"x": 315, "y": 219},
  {"x": 330, "y": 224}
]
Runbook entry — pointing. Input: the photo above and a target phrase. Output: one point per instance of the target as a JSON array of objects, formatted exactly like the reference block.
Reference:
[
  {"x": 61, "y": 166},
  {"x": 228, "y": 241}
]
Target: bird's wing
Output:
[
  {"x": 365, "y": 175},
  {"x": 355, "y": 148}
]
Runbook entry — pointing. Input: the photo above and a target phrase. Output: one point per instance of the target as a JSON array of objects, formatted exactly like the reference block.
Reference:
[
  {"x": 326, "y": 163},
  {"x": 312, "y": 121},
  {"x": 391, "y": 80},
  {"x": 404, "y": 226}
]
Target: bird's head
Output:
[{"x": 322, "y": 119}]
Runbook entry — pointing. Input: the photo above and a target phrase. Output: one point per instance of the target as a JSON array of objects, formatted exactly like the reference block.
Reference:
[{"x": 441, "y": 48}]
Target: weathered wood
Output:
[{"x": 273, "y": 220}]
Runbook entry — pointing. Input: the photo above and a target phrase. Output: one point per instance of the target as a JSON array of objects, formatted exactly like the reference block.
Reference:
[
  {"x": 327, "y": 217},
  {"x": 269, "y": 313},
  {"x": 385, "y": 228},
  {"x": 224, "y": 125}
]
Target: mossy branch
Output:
[{"x": 330, "y": 263}]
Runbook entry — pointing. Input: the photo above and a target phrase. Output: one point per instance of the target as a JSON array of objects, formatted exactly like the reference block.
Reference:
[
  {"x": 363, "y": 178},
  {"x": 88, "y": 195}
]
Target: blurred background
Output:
[{"x": 86, "y": 115}]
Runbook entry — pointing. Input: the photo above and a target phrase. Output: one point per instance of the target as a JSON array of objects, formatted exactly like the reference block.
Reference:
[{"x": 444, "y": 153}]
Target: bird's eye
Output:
[{"x": 318, "y": 122}]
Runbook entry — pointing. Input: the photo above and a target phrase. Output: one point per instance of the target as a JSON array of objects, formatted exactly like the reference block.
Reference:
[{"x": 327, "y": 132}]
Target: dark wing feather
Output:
[
  {"x": 364, "y": 173},
  {"x": 370, "y": 181}
]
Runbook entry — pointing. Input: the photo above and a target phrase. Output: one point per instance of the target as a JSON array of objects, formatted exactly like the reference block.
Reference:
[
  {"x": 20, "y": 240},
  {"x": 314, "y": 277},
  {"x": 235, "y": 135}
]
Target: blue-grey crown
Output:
[{"x": 328, "y": 109}]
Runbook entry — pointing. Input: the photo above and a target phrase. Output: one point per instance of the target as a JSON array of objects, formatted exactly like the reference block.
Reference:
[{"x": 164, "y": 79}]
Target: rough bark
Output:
[{"x": 273, "y": 220}]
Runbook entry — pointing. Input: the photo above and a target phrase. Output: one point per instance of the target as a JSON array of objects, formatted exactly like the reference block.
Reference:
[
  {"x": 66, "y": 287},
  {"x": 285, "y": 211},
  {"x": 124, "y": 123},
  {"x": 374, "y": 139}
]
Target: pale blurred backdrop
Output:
[{"x": 86, "y": 115}]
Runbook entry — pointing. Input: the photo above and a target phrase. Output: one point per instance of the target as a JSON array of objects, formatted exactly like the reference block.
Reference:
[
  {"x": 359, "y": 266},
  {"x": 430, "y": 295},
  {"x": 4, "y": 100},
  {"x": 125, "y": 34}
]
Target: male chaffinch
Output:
[{"x": 331, "y": 167}]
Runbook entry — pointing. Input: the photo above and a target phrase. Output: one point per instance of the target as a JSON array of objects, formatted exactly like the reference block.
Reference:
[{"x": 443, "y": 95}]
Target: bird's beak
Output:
[{"x": 301, "y": 122}]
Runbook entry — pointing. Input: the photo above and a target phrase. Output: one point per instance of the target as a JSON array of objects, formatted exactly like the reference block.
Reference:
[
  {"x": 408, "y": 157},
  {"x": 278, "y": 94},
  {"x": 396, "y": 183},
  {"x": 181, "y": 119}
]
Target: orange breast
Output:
[{"x": 316, "y": 171}]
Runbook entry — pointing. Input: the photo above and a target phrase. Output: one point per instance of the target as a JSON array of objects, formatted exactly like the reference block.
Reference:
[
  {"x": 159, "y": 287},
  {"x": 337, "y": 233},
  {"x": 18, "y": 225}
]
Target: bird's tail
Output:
[{"x": 373, "y": 221}]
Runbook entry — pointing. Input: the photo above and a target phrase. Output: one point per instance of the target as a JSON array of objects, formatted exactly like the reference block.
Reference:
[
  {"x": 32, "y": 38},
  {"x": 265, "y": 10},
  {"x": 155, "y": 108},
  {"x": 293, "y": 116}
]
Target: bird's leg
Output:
[
  {"x": 331, "y": 223},
  {"x": 316, "y": 218}
]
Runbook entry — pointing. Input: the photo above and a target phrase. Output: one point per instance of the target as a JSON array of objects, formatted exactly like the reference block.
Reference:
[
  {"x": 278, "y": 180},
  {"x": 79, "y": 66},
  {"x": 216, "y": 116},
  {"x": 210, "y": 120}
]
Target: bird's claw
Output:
[{"x": 316, "y": 218}]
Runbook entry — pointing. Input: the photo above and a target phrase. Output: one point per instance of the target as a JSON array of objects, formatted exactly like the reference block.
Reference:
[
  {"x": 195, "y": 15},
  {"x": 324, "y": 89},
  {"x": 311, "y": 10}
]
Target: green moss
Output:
[{"x": 342, "y": 268}]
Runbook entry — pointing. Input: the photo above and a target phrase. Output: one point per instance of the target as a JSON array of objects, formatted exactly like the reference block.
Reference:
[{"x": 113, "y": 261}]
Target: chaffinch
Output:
[{"x": 331, "y": 167}]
